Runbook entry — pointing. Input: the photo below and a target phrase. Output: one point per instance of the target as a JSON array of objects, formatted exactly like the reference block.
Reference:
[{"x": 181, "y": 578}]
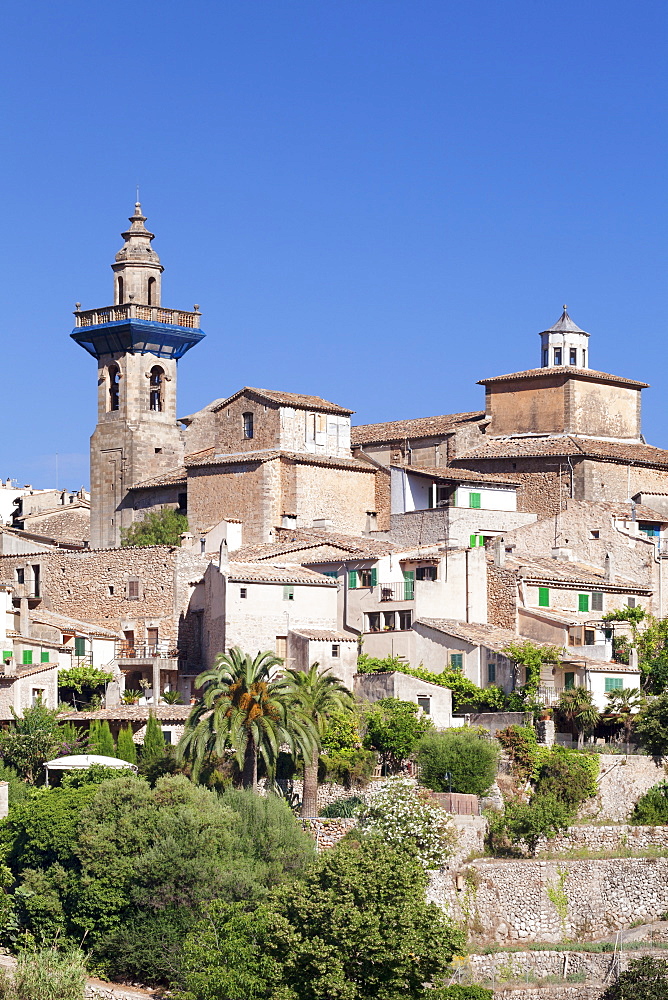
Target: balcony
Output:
[
  {"x": 396, "y": 591},
  {"x": 131, "y": 655},
  {"x": 132, "y": 310}
]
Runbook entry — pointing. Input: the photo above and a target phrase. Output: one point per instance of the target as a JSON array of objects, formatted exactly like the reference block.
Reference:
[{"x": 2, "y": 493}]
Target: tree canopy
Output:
[
  {"x": 162, "y": 527},
  {"x": 467, "y": 756},
  {"x": 393, "y": 729}
]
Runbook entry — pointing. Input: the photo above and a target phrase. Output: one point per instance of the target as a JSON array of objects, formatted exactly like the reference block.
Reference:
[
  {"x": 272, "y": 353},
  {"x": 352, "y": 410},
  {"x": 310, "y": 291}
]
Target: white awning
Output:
[{"x": 84, "y": 760}]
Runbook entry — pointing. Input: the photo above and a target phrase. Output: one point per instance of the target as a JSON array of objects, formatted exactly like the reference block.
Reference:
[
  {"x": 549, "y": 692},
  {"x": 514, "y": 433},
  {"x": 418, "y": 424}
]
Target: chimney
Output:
[
  {"x": 633, "y": 658},
  {"x": 224, "y": 557},
  {"x": 24, "y": 618},
  {"x": 500, "y": 552},
  {"x": 608, "y": 568}
]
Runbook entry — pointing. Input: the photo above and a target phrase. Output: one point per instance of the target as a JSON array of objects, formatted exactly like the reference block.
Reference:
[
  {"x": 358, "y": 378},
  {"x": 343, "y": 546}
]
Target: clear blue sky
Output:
[{"x": 375, "y": 201}]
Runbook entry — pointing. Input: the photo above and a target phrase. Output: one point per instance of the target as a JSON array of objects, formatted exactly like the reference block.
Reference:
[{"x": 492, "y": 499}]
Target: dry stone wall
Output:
[
  {"x": 606, "y": 838},
  {"x": 593, "y": 967},
  {"x": 622, "y": 781}
]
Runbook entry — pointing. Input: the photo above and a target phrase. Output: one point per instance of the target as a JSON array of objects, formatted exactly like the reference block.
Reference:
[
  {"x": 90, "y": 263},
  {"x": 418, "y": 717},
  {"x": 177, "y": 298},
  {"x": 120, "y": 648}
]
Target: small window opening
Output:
[
  {"x": 630, "y": 602},
  {"x": 545, "y": 359},
  {"x": 595, "y": 533},
  {"x": 111, "y": 590},
  {"x": 573, "y": 358},
  {"x": 121, "y": 298},
  {"x": 336, "y": 649},
  {"x": 373, "y": 622},
  {"x": 155, "y": 391},
  {"x": 158, "y": 451},
  {"x": 114, "y": 387},
  {"x": 557, "y": 355},
  {"x": 151, "y": 291},
  {"x": 20, "y": 575},
  {"x": 248, "y": 425},
  {"x": 288, "y": 593},
  {"x": 584, "y": 359},
  {"x": 133, "y": 590},
  {"x": 425, "y": 704},
  {"x": 243, "y": 592}
]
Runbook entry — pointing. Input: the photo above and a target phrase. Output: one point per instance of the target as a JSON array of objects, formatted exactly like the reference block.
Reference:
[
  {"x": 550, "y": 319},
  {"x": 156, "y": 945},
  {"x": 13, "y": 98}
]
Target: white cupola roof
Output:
[{"x": 564, "y": 344}]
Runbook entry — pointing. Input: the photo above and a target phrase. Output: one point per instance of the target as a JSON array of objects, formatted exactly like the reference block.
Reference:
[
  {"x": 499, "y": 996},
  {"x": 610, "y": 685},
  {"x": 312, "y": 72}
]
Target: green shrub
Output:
[
  {"x": 351, "y": 768},
  {"x": 526, "y": 822},
  {"x": 568, "y": 775},
  {"x": 406, "y": 821},
  {"x": 651, "y": 809},
  {"x": 46, "y": 974},
  {"x": 469, "y": 757},
  {"x": 342, "y": 808},
  {"x": 457, "y": 992},
  {"x": 163, "y": 527},
  {"x": 127, "y": 748},
  {"x": 521, "y": 745},
  {"x": 644, "y": 978},
  {"x": 393, "y": 729}
]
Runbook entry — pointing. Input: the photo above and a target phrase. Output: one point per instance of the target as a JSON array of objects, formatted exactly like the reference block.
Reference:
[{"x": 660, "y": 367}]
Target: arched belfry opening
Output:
[
  {"x": 114, "y": 387},
  {"x": 156, "y": 386},
  {"x": 152, "y": 287},
  {"x": 120, "y": 291}
]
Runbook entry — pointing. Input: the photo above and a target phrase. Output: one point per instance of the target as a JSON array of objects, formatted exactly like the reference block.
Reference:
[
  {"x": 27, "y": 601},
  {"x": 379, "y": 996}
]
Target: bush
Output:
[
  {"x": 568, "y": 775},
  {"x": 457, "y": 992},
  {"x": 469, "y": 757},
  {"x": 393, "y": 729},
  {"x": 527, "y": 822},
  {"x": 46, "y": 974},
  {"x": 651, "y": 809},
  {"x": 350, "y": 768},
  {"x": 408, "y": 822},
  {"x": 163, "y": 527},
  {"x": 645, "y": 977},
  {"x": 521, "y": 745},
  {"x": 342, "y": 808}
]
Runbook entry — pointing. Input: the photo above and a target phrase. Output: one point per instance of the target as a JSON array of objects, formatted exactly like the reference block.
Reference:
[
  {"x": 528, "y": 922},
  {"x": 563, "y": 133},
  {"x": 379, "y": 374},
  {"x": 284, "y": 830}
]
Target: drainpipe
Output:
[
  {"x": 468, "y": 588},
  {"x": 570, "y": 466}
]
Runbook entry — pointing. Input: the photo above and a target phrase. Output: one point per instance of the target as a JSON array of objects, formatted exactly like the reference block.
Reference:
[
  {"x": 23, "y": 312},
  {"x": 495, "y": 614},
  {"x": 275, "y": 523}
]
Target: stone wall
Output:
[
  {"x": 552, "y": 901},
  {"x": 68, "y": 524},
  {"x": 606, "y": 838},
  {"x": 622, "y": 780},
  {"x": 246, "y": 490},
  {"x": 328, "y": 832},
  {"x": 544, "y": 483},
  {"x": 501, "y": 596}
]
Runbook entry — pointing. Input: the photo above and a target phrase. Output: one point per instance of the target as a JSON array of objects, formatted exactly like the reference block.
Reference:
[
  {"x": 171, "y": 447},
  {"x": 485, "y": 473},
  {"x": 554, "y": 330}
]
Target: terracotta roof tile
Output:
[
  {"x": 563, "y": 446},
  {"x": 567, "y": 372},
  {"x": 132, "y": 713},
  {"x": 44, "y": 617},
  {"x": 266, "y": 572},
  {"x": 176, "y": 477},
  {"x": 397, "y": 430},
  {"x": 267, "y": 455},
  {"x": 457, "y": 475},
  {"x": 563, "y": 571},
  {"x": 324, "y": 635},
  {"x": 295, "y": 399},
  {"x": 492, "y": 636}
]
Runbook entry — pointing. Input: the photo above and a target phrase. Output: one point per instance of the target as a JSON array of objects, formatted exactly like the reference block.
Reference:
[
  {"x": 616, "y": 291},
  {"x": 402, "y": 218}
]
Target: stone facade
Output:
[
  {"x": 501, "y": 596},
  {"x": 622, "y": 781},
  {"x": 65, "y": 523}
]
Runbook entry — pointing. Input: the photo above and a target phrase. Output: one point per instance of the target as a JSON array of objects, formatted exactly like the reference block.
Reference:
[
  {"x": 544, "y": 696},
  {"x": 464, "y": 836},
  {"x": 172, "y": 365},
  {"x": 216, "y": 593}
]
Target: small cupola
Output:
[
  {"x": 137, "y": 268},
  {"x": 564, "y": 344}
]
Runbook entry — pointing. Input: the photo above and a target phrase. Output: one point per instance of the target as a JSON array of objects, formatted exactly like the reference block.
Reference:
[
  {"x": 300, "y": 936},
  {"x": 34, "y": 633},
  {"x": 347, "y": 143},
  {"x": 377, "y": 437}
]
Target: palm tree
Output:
[
  {"x": 242, "y": 709},
  {"x": 577, "y": 706},
  {"x": 623, "y": 706},
  {"x": 320, "y": 696}
]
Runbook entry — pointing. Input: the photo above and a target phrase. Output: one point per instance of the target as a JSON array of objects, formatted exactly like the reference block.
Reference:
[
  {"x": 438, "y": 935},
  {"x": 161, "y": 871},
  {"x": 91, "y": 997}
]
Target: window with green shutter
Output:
[
  {"x": 474, "y": 500},
  {"x": 583, "y": 602},
  {"x": 457, "y": 661},
  {"x": 614, "y": 683},
  {"x": 374, "y": 577},
  {"x": 569, "y": 680},
  {"x": 352, "y": 580},
  {"x": 44, "y": 656},
  {"x": 331, "y": 572},
  {"x": 543, "y": 597},
  {"x": 409, "y": 584},
  {"x": 288, "y": 593},
  {"x": 79, "y": 645},
  {"x": 491, "y": 672},
  {"x": 7, "y": 654},
  {"x": 27, "y": 657}
]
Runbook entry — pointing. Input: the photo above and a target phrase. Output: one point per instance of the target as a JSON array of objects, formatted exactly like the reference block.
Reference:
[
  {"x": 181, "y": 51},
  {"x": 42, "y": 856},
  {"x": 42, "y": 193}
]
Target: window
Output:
[
  {"x": 543, "y": 597},
  {"x": 491, "y": 672},
  {"x": 114, "y": 387},
  {"x": 247, "y": 419},
  {"x": 111, "y": 590},
  {"x": 167, "y": 733},
  {"x": 405, "y": 621},
  {"x": 476, "y": 540},
  {"x": 595, "y": 533},
  {"x": 630, "y": 602},
  {"x": 362, "y": 578},
  {"x": 336, "y": 650},
  {"x": 590, "y": 637},
  {"x": 35, "y": 580},
  {"x": 281, "y": 646},
  {"x": 80, "y": 645},
  {"x": 388, "y": 621},
  {"x": 27, "y": 658},
  {"x": 573, "y": 357},
  {"x": 557, "y": 355},
  {"x": 373, "y": 622},
  {"x": 614, "y": 683},
  {"x": 152, "y": 638},
  {"x": 474, "y": 500},
  {"x": 409, "y": 584},
  {"x": 44, "y": 656},
  {"x": 584, "y": 359},
  {"x": 20, "y": 575},
  {"x": 424, "y": 702},
  {"x": 288, "y": 593},
  {"x": 569, "y": 680},
  {"x": 183, "y": 502},
  {"x": 156, "y": 379},
  {"x": 545, "y": 359},
  {"x": 37, "y": 696},
  {"x": 425, "y": 573},
  {"x": 119, "y": 285},
  {"x": 151, "y": 292},
  {"x": 133, "y": 590},
  {"x": 457, "y": 661},
  {"x": 158, "y": 451},
  {"x": 243, "y": 592},
  {"x": 597, "y": 602},
  {"x": 583, "y": 602}
]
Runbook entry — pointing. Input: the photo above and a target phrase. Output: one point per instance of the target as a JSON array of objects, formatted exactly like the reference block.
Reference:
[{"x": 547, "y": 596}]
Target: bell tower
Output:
[{"x": 137, "y": 343}]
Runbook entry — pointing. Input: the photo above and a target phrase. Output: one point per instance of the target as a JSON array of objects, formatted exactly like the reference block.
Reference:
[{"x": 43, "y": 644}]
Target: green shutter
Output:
[
  {"x": 491, "y": 672},
  {"x": 333, "y": 573},
  {"x": 569, "y": 680},
  {"x": 79, "y": 645},
  {"x": 352, "y": 580},
  {"x": 613, "y": 683},
  {"x": 374, "y": 577},
  {"x": 409, "y": 584},
  {"x": 543, "y": 597},
  {"x": 27, "y": 657},
  {"x": 457, "y": 661},
  {"x": 7, "y": 654},
  {"x": 474, "y": 500},
  {"x": 288, "y": 593},
  {"x": 45, "y": 656},
  {"x": 583, "y": 602},
  {"x": 473, "y": 541}
]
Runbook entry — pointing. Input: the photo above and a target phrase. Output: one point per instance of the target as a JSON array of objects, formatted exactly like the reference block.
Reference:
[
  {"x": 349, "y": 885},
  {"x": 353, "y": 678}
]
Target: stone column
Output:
[
  {"x": 4, "y": 799},
  {"x": 545, "y": 732}
]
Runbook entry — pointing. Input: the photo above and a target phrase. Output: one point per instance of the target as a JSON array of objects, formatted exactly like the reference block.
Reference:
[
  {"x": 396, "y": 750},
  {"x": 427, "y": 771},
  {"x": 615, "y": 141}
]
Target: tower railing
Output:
[{"x": 133, "y": 310}]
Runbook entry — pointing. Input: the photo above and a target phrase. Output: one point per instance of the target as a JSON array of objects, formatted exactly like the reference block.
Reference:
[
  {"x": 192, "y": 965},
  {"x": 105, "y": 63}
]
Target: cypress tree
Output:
[
  {"x": 154, "y": 741},
  {"x": 105, "y": 741},
  {"x": 127, "y": 748},
  {"x": 94, "y": 736}
]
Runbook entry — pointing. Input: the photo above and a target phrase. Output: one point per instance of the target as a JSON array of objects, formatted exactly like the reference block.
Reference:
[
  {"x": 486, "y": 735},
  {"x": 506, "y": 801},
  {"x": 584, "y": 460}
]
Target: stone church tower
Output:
[{"x": 137, "y": 343}]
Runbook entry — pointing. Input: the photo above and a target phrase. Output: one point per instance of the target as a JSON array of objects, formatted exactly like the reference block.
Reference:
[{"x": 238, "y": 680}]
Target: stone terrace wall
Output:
[
  {"x": 552, "y": 901},
  {"x": 516, "y": 965},
  {"x": 501, "y": 596},
  {"x": 606, "y": 838},
  {"x": 622, "y": 780}
]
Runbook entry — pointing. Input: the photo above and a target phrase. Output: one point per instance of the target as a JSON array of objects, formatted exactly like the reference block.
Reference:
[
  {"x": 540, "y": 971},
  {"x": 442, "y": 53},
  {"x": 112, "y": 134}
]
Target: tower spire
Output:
[{"x": 137, "y": 268}]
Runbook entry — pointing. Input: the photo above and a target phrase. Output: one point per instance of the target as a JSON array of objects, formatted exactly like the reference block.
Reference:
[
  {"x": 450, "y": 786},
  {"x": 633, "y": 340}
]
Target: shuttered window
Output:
[
  {"x": 409, "y": 584},
  {"x": 597, "y": 602},
  {"x": 543, "y": 597},
  {"x": 569, "y": 680},
  {"x": 352, "y": 580},
  {"x": 614, "y": 683},
  {"x": 27, "y": 657},
  {"x": 491, "y": 672},
  {"x": 80, "y": 645},
  {"x": 44, "y": 656},
  {"x": 133, "y": 589},
  {"x": 457, "y": 661},
  {"x": 288, "y": 593},
  {"x": 583, "y": 602},
  {"x": 474, "y": 500}
]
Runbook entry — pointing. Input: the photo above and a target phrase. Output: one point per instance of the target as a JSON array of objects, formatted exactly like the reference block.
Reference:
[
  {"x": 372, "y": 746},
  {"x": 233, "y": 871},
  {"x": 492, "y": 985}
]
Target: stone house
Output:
[
  {"x": 434, "y": 700},
  {"x": 172, "y": 719},
  {"x": 473, "y": 650}
]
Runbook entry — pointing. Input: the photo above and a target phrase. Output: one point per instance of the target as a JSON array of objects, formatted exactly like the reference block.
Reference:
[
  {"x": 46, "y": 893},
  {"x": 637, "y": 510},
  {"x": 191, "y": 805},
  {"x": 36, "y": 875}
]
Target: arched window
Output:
[
  {"x": 155, "y": 388},
  {"x": 120, "y": 291},
  {"x": 114, "y": 387},
  {"x": 151, "y": 292},
  {"x": 248, "y": 424}
]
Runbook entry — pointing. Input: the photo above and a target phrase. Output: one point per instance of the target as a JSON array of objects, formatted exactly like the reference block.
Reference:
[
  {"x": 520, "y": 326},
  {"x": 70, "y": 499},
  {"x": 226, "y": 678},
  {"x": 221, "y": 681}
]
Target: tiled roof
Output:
[
  {"x": 59, "y": 509},
  {"x": 598, "y": 666},
  {"x": 561, "y": 617},
  {"x": 564, "y": 445},
  {"x": 562, "y": 571},
  {"x": 324, "y": 635},
  {"x": 132, "y": 713},
  {"x": 564, "y": 325},
  {"x": 266, "y": 455},
  {"x": 39, "y": 668},
  {"x": 266, "y": 572},
  {"x": 62, "y": 622},
  {"x": 566, "y": 371},
  {"x": 296, "y": 399},
  {"x": 317, "y": 545},
  {"x": 397, "y": 430},
  {"x": 492, "y": 636},
  {"x": 456, "y": 475},
  {"x": 176, "y": 477}
]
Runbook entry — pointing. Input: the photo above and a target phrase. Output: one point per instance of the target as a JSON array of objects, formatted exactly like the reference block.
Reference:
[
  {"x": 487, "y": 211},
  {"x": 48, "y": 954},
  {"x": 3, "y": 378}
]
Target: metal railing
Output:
[
  {"x": 144, "y": 651},
  {"x": 132, "y": 310},
  {"x": 396, "y": 591}
]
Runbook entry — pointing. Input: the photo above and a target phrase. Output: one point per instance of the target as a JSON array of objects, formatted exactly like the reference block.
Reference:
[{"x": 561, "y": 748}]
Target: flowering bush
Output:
[{"x": 407, "y": 820}]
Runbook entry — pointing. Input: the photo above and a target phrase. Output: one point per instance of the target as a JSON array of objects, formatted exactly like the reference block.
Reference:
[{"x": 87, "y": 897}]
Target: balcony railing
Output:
[
  {"x": 132, "y": 310},
  {"x": 396, "y": 591},
  {"x": 144, "y": 651}
]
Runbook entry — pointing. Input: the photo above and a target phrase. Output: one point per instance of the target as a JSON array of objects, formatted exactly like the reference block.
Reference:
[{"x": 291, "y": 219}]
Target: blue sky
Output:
[{"x": 375, "y": 201}]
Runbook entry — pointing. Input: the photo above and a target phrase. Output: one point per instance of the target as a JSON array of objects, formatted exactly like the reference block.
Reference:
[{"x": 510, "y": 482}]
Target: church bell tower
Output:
[{"x": 137, "y": 343}]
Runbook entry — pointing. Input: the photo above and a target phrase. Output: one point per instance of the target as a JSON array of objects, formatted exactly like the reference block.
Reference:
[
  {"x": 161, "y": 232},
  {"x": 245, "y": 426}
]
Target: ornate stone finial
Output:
[
  {"x": 564, "y": 308},
  {"x": 196, "y": 308},
  {"x": 77, "y": 306}
]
